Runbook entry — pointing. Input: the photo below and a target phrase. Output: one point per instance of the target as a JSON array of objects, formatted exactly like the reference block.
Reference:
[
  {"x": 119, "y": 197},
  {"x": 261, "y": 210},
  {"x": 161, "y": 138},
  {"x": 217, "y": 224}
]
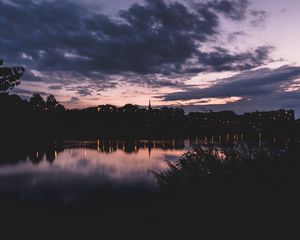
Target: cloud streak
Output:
[{"x": 256, "y": 89}]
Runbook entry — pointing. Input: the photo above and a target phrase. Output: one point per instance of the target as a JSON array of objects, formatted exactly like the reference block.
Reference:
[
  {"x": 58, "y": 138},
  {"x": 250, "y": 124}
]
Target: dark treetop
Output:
[{"x": 10, "y": 77}]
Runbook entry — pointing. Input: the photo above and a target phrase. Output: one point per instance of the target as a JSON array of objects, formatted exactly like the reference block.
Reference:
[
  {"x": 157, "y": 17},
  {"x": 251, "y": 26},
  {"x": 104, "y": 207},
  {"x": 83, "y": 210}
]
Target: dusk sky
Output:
[{"x": 221, "y": 54}]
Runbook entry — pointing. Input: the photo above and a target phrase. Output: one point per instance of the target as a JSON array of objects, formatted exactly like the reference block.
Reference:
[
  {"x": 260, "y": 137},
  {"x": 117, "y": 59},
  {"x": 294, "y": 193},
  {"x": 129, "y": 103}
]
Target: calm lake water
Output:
[{"x": 71, "y": 170}]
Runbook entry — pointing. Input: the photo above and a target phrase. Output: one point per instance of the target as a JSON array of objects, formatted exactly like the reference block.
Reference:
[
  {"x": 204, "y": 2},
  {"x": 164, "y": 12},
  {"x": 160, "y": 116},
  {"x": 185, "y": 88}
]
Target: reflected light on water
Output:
[
  {"x": 117, "y": 166},
  {"x": 90, "y": 164}
]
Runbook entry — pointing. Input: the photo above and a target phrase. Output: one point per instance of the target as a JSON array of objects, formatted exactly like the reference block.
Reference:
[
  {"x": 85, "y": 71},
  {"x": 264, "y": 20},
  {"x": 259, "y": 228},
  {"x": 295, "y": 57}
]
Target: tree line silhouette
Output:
[{"x": 49, "y": 118}]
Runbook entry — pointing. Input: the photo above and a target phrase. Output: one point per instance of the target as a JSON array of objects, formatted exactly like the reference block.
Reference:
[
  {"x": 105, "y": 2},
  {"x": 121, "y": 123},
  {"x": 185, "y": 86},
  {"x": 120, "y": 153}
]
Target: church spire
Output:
[{"x": 149, "y": 107}]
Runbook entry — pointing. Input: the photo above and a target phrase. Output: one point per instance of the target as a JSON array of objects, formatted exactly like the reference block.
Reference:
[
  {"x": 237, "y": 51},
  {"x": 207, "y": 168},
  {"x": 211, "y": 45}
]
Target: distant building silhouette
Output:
[{"x": 279, "y": 115}]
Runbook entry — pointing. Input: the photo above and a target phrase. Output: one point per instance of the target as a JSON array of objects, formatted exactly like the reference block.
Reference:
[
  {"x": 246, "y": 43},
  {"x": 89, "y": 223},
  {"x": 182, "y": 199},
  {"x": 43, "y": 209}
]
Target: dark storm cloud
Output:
[
  {"x": 222, "y": 60},
  {"x": 233, "y": 9},
  {"x": 236, "y": 10},
  {"x": 154, "y": 38},
  {"x": 257, "y": 84}
]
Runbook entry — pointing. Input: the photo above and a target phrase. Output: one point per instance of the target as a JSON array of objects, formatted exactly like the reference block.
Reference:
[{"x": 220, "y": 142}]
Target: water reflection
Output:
[
  {"x": 50, "y": 151},
  {"x": 72, "y": 169}
]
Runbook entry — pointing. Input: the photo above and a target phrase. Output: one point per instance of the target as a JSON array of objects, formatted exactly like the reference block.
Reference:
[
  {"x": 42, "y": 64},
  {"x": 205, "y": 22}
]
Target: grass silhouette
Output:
[{"x": 233, "y": 165}]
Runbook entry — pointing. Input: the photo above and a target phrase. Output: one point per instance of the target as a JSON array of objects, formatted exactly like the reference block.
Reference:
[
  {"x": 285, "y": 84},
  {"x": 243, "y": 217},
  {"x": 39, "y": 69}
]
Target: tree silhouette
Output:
[
  {"x": 108, "y": 108},
  {"x": 53, "y": 105},
  {"x": 10, "y": 77},
  {"x": 37, "y": 103},
  {"x": 129, "y": 108}
]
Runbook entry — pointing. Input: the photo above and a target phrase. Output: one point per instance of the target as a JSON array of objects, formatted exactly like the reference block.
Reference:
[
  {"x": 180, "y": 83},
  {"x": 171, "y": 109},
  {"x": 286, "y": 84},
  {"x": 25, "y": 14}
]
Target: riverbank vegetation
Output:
[{"x": 232, "y": 167}]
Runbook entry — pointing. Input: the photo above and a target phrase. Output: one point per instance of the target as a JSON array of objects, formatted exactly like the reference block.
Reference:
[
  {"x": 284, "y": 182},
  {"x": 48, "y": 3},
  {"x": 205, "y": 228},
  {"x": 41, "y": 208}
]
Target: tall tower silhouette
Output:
[{"x": 149, "y": 106}]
